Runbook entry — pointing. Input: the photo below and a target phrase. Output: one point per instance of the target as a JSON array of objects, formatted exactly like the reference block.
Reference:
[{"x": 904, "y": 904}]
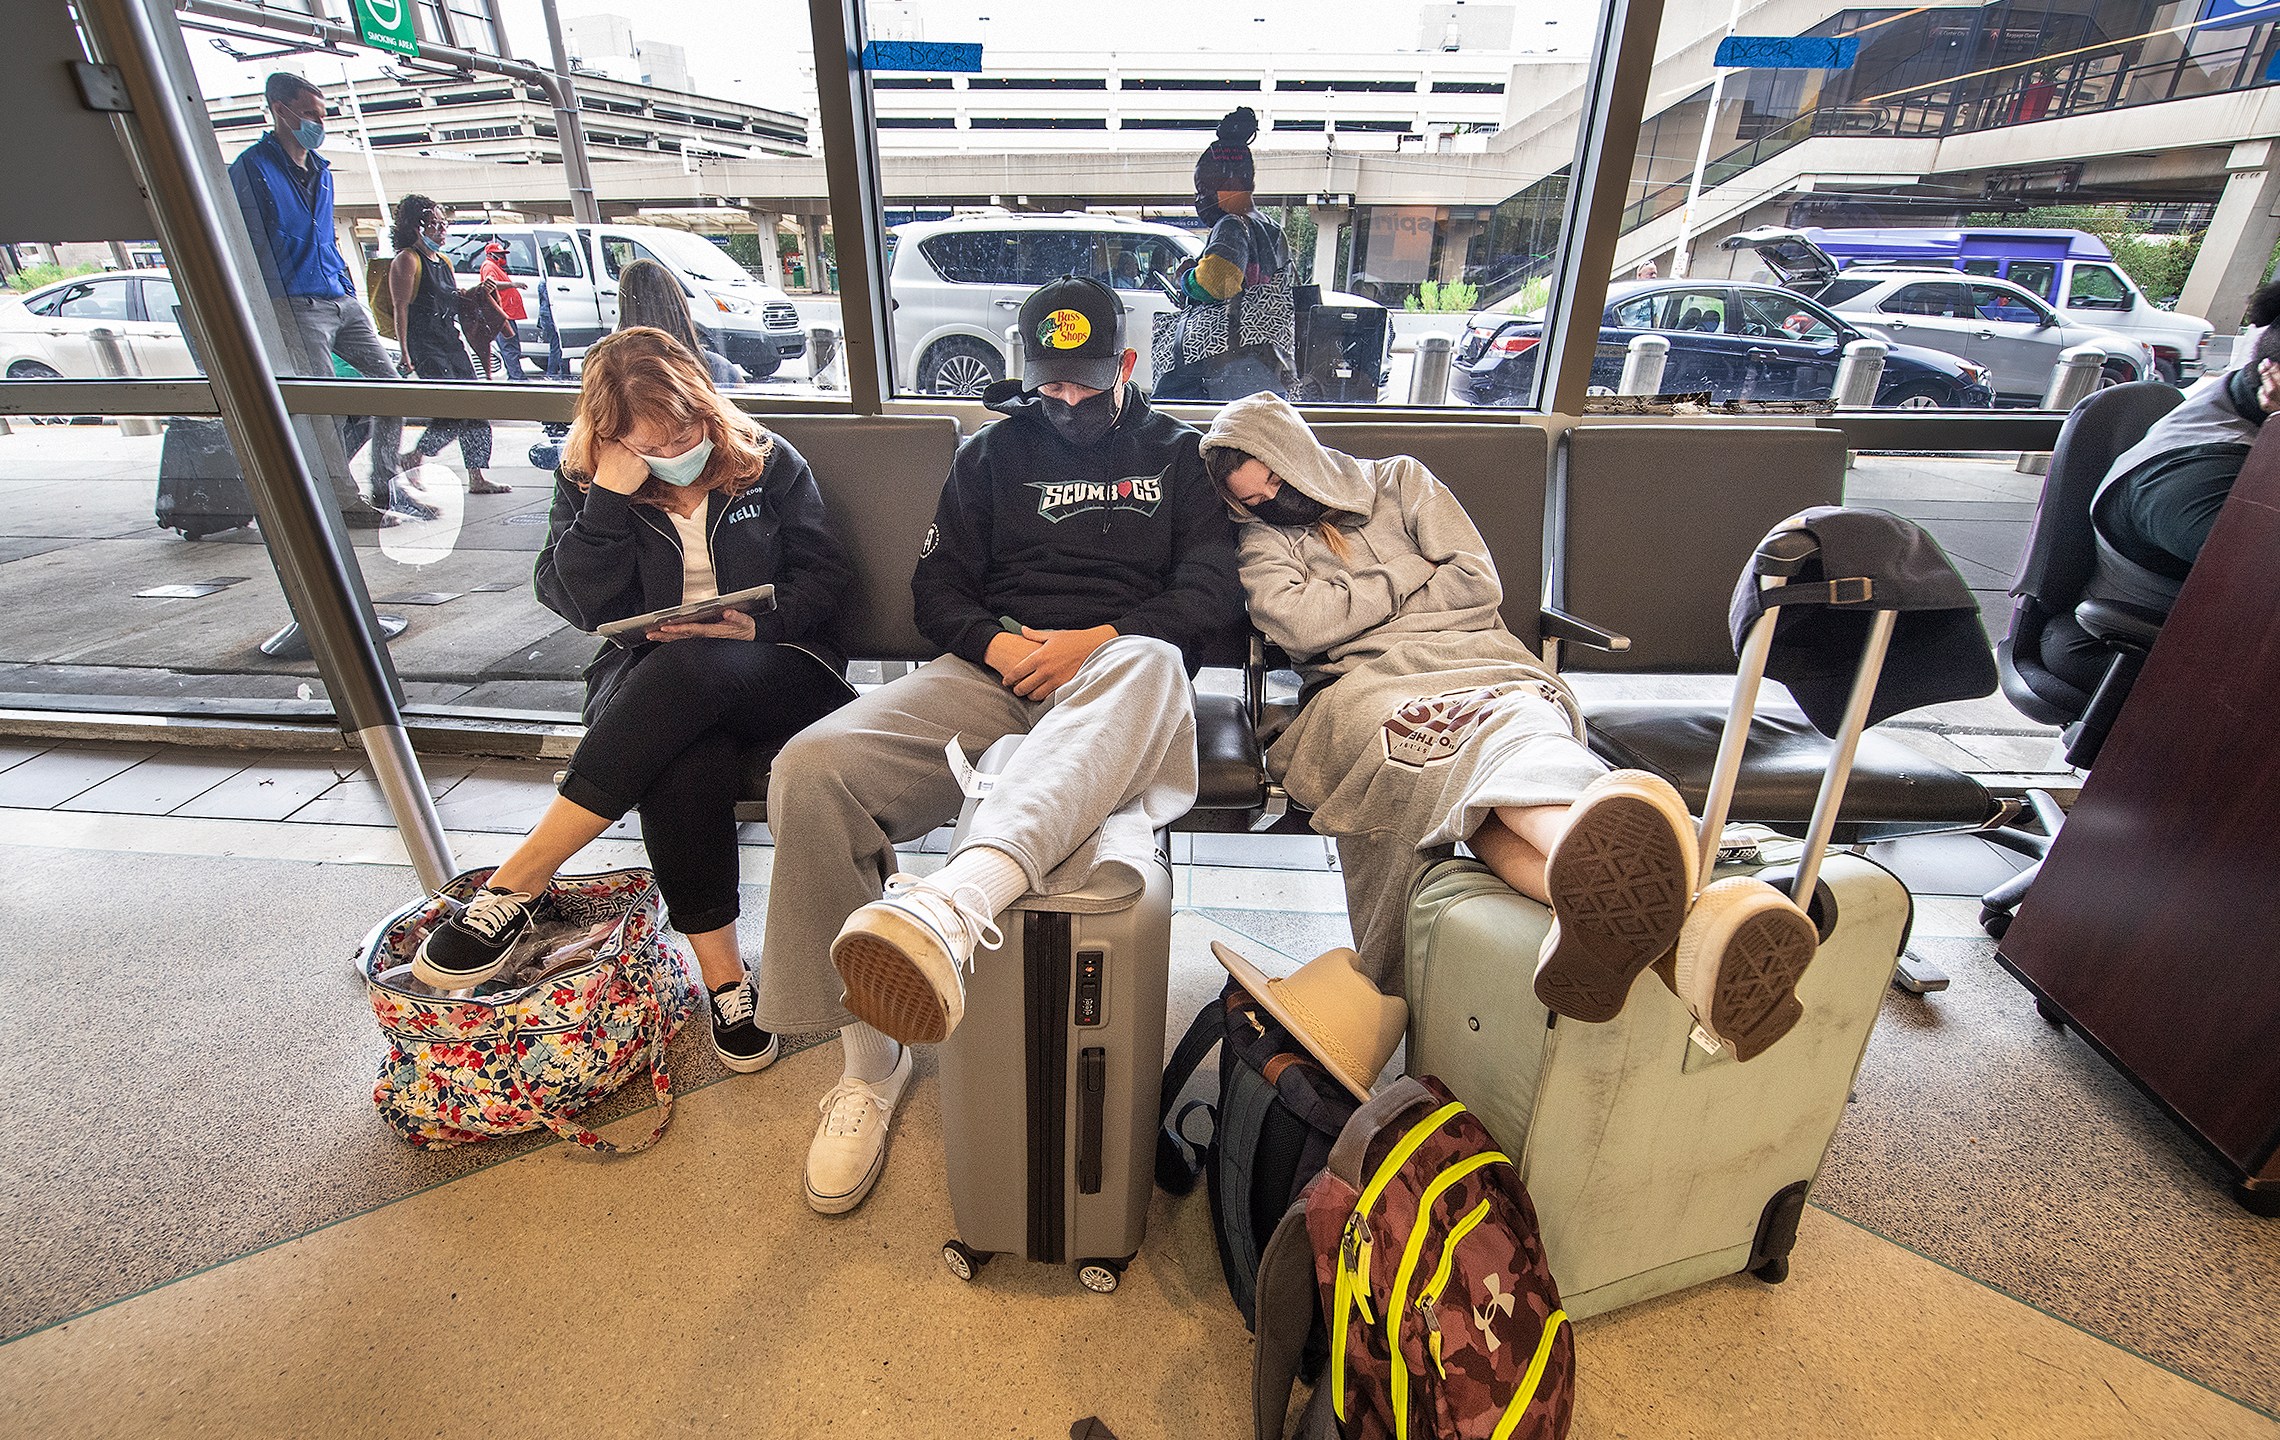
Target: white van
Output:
[{"x": 754, "y": 325}]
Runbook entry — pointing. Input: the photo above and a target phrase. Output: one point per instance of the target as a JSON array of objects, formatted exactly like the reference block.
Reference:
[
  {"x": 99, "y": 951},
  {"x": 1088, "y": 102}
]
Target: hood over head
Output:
[{"x": 1266, "y": 427}]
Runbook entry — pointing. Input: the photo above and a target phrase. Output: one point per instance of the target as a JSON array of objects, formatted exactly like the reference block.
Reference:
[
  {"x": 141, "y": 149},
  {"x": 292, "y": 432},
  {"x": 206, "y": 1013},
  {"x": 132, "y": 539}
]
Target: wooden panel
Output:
[{"x": 2155, "y": 923}]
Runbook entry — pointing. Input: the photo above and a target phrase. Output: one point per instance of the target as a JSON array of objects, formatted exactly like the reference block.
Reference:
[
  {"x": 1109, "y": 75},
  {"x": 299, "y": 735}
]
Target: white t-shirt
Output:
[{"x": 698, "y": 582}]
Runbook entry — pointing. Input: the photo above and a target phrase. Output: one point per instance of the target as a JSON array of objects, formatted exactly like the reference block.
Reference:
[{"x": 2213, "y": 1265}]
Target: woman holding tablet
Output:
[{"x": 668, "y": 495}]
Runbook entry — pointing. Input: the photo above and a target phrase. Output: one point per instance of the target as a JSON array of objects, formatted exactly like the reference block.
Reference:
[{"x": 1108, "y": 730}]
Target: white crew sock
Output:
[
  {"x": 868, "y": 1055},
  {"x": 984, "y": 868}
]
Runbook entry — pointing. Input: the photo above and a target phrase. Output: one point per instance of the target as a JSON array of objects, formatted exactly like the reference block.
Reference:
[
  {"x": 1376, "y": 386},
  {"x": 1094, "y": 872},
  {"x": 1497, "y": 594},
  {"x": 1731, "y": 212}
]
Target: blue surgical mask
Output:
[
  {"x": 680, "y": 469},
  {"x": 310, "y": 134}
]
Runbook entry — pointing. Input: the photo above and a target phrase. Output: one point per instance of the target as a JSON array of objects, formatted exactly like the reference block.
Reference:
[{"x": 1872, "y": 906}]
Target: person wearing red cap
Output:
[{"x": 511, "y": 304}]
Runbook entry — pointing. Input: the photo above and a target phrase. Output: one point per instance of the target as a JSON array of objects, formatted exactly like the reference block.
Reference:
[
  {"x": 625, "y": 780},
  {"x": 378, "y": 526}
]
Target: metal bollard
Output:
[
  {"x": 1643, "y": 365},
  {"x": 1859, "y": 373},
  {"x": 825, "y": 371},
  {"x": 1429, "y": 372},
  {"x": 1013, "y": 352},
  {"x": 111, "y": 358},
  {"x": 2072, "y": 379}
]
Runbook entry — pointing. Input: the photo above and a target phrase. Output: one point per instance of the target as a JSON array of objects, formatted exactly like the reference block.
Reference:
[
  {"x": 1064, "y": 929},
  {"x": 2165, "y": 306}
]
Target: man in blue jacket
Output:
[
  {"x": 1078, "y": 562},
  {"x": 285, "y": 189}
]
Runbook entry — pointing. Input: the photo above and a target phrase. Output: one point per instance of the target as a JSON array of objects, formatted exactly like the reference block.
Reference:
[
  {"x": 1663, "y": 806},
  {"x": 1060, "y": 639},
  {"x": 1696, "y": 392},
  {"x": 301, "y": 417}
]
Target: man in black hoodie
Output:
[{"x": 1078, "y": 561}]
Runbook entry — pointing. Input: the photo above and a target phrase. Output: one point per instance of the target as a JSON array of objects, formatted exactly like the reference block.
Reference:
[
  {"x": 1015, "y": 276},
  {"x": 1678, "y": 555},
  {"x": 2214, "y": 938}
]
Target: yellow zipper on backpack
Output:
[
  {"x": 1534, "y": 1377},
  {"x": 1410, "y": 1254},
  {"x": 1431, "y": 1294},
  {"x": 1352, "y": 1284}
]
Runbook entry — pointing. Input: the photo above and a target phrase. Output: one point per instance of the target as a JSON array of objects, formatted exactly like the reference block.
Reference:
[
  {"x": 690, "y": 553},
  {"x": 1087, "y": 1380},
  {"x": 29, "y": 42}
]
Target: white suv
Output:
[
  {"x": 752, "y": 324},
  {"x": 956, "y": 285}
]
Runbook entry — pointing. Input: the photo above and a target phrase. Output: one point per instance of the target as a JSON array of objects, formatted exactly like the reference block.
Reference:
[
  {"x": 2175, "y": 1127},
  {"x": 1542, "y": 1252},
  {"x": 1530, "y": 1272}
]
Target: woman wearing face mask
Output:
[
  {"x": 667, "y": 495},
  {"x": 1423, "y": 723},
  {"x": 427, "y": 324},
  {"x": 1238, "y": 291}
]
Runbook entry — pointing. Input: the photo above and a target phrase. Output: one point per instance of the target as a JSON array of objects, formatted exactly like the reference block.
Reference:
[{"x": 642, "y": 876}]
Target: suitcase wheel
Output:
[
  {"x": 2051, "y": 1014},
  {"x": 963, "y": 1261},
  {"x": 1100, "y": 1276}
]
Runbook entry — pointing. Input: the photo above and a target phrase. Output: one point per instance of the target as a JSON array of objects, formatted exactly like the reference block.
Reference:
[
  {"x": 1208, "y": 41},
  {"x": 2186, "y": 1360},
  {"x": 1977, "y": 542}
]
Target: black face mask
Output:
[
  {"x": 1084, "y": 423},
  {"x": 1290, "y": 507}
]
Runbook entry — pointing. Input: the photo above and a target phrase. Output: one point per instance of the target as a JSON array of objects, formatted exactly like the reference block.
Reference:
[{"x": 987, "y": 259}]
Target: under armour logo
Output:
[{"x": 1498, "y": 1299}]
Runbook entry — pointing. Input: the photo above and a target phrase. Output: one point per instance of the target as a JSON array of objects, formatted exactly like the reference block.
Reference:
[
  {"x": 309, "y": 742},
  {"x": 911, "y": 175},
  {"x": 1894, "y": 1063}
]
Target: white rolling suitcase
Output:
[
  {"x": 1050, "y": 1083},
  {"x": 1657, "y": 1163}
]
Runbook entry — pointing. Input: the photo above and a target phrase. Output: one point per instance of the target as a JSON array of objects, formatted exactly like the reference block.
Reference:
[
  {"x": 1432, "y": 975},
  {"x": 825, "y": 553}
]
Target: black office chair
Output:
[{"x": 2061, "y": 551}]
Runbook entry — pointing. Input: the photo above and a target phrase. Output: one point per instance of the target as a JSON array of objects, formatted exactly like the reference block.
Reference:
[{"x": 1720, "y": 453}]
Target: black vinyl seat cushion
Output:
[
  {"x": 1894, "y": 790},
  {"x": 1229, "y": 762}
]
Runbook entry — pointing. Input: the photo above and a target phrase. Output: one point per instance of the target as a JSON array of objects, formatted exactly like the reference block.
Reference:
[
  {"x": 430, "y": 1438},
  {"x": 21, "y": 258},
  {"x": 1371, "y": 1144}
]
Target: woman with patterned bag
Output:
[
  {"x": 1425, "y": 723},
  {"x": 1236, "y": 333},
  {"x": 667, "y": 496}
]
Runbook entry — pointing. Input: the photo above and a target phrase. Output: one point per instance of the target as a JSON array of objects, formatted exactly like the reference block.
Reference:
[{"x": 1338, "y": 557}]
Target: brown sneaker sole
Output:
[
  {"x": 887, "y": 991},
  {"x": 1740, "y": 971},
  {"x": 1620, "y": 880}
]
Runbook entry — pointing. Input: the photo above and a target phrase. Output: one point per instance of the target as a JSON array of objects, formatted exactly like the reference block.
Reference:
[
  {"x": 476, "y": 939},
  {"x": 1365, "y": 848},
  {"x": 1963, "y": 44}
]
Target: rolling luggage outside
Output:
[
  {"x": 1655, "y": 1159},
  {"x": 201, "y": 491},
  {"x": 1050, "y": 1084}
]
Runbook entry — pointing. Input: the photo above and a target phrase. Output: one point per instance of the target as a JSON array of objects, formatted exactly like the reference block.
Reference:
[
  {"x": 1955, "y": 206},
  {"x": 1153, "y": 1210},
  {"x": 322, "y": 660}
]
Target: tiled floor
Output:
[{"x": 245, "y": 1250}]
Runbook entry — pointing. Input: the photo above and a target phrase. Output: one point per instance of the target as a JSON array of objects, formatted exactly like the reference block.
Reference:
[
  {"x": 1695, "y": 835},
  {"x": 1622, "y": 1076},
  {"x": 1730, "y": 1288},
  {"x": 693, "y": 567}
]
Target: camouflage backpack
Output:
[{"x": 1444, "y": 1320}]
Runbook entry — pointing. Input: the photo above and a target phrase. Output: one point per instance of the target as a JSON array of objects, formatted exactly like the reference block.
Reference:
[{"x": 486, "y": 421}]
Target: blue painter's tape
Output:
[
  {"x": 922, "y": 55},
  {"x": 1787, "y": 52}
]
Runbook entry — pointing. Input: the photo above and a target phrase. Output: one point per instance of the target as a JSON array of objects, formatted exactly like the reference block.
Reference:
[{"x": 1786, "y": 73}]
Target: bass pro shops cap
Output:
[{"x": 1072, "y": 331}]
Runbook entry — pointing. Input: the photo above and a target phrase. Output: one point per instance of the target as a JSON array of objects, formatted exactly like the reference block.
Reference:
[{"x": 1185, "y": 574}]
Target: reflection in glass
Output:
[{"x": 1938, "y": 150}]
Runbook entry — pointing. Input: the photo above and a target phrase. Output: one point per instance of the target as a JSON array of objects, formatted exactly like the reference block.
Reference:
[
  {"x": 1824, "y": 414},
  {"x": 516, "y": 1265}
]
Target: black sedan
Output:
[{"x": 1735, "y": 340}]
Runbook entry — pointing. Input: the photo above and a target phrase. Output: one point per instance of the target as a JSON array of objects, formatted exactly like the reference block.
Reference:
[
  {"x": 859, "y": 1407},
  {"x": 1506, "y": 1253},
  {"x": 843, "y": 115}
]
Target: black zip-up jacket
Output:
[
  {"x": 1128, "y": 532},
  {"x": 607, "y": 558}
]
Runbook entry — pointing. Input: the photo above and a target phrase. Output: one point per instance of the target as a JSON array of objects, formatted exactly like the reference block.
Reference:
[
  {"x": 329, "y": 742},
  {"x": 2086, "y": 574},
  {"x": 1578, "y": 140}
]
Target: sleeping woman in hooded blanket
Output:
[{"x": 1424, "y": 723}]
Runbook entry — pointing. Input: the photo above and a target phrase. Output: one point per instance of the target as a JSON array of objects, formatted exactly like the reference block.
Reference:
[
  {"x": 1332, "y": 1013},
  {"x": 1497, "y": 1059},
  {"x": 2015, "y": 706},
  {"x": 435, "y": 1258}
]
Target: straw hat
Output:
[{"x": 1331, "y": 1009}]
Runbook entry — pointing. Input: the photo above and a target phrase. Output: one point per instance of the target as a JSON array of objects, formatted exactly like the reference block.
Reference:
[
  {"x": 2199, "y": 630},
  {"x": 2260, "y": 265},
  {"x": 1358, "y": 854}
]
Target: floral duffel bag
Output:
[{"x": 551, "y": 1036}]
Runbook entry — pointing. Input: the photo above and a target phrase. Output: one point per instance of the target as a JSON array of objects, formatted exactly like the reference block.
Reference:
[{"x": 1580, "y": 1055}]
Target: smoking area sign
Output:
[{"x": 387, "y": 25}]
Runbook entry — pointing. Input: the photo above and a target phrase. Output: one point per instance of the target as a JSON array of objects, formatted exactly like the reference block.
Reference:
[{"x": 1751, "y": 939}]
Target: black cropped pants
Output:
[{"x": 671, "y": 741}]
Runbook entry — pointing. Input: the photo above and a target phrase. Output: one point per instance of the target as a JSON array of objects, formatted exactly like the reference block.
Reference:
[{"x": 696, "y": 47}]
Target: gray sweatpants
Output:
[
  {"x": 1109, "y": 759},
  {"x": 320, "y": 327}
]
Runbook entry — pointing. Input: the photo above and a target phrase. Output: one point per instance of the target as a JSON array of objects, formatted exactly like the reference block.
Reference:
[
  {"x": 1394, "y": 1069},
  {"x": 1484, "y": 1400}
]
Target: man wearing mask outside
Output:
[
  {"x": 285, "y": 189},
  {"x": 1078, "y": 561}
]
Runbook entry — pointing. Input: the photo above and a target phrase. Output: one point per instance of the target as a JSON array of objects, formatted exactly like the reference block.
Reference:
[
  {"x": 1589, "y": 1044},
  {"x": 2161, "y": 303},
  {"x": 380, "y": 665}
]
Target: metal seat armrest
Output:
[
  {"x": 2122, "y": 626},
  {"x": 1558, "y": 624},
  {"x": 1255, "y": 679}
]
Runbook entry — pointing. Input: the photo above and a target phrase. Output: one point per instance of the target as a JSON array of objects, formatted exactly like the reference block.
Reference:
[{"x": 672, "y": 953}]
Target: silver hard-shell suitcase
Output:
[
  {"x": 1050, "y": 1082},
  {"x": 1655, "y": 1159}
]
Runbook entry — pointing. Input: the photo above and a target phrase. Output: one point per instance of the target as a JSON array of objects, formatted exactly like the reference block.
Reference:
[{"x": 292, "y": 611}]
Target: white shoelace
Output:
[
  {"x": 734, "y": 1008},
  {"x": 966, "y": 904},
  {"x": 492, "y": 911},
  {"x": 842, "y": 1118}
]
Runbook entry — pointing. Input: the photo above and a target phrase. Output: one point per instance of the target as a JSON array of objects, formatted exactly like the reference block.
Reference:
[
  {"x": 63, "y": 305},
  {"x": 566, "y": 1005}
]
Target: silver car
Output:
[
  {"x": 1998, "y": 324},
  {"x": 957, "y": 285},
  {"x": 2007, "y": 329}
]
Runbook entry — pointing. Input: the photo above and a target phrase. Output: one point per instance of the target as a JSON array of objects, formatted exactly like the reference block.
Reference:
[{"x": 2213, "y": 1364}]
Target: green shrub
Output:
[
  {"x": 1444, "y": 298},
  {"x": 32, "y": 277}
]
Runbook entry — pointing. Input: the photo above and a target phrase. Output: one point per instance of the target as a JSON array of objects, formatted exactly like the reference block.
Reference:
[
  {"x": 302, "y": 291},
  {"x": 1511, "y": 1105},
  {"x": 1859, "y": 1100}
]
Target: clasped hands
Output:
[{"x": 1035, "y": 663}]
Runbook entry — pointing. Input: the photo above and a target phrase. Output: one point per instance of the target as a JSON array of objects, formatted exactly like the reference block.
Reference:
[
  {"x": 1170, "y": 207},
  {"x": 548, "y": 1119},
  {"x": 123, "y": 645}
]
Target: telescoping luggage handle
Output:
[{"x": 1778, "y": 559}]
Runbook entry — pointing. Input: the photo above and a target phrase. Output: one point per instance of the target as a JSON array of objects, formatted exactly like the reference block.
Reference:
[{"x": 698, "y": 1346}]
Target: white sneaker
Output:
[
  {"x": 1620, "y": 880},
  {"x": 900, "y": 955},
  {"x": 1743, "y": 949},
  {"x": 850, "y": 1146}
]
